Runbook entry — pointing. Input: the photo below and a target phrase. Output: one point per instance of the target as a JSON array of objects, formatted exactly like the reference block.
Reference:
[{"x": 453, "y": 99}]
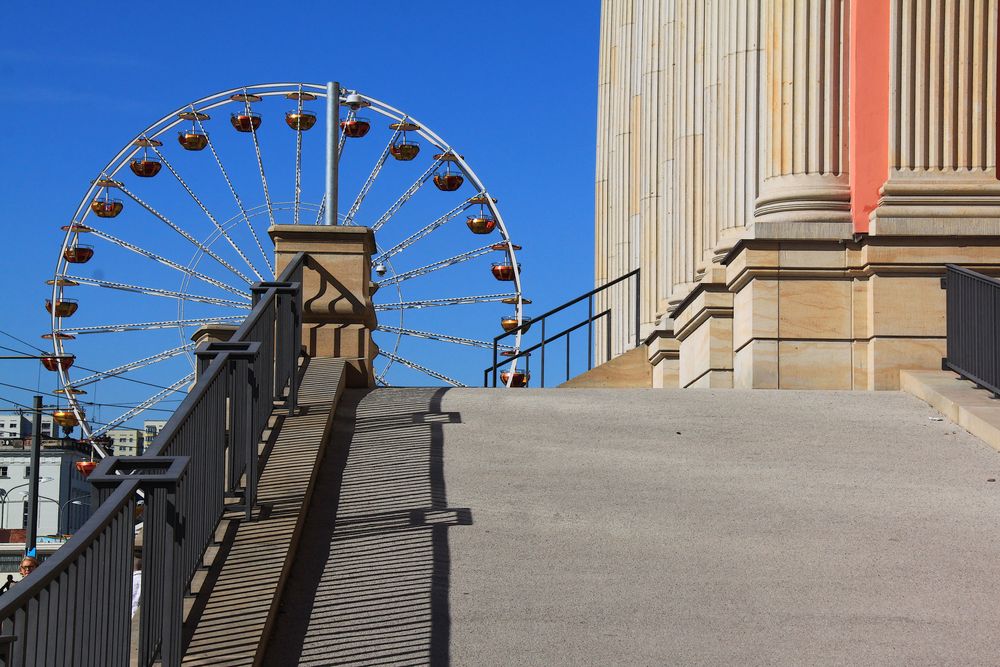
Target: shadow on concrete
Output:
[{"x": 372, "y": 575}]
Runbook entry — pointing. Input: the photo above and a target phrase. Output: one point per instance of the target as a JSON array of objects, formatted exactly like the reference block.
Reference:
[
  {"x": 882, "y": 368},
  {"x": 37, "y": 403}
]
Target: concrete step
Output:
[{"x": 630, "y": 370}]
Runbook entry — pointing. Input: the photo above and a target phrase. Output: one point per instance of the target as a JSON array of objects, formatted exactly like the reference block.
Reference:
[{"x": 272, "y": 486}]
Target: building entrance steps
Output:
[
  {"x": 630, "y": 370},
  {"x": 628, "y": 527},
  {"x": 231, "y": 618},
  {"x": 974, "y": 409}
]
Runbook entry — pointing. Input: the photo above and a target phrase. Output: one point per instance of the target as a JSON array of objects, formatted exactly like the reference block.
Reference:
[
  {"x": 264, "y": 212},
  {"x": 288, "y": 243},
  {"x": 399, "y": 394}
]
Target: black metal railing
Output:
[
  {"x": 75, "y": 609},
  {"x": 589, "y": 321},
  {"x": 973, "y": 326}
]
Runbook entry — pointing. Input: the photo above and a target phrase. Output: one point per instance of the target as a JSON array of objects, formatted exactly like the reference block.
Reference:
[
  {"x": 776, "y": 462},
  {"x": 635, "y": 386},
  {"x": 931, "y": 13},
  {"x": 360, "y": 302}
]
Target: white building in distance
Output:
[{"x": 127, "y": 441}]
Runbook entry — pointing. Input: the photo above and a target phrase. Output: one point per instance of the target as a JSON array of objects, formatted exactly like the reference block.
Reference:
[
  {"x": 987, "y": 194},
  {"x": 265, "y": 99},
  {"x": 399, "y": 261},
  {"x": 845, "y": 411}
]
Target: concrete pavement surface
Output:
[{"x": 646, "y": 527}]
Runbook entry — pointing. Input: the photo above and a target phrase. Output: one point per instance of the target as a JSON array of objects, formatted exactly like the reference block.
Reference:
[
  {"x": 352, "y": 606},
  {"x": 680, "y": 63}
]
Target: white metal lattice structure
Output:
[{"x": 179, "y": 234}]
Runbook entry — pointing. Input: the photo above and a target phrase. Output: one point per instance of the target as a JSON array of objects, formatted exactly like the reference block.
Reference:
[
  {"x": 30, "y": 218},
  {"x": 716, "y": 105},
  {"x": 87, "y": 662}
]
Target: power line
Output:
[
  {"x": 23, "y": 342},
  {"x": 90, "y": 403},
  {"x": 32, "y": 409},
  {"x": 89, "y": 370}
]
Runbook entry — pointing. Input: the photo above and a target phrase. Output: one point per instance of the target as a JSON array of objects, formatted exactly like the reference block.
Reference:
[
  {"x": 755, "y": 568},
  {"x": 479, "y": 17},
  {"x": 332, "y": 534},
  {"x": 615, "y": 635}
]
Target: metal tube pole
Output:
[
  {"x": 542, "y": 384},
  {"x": 332, "y": 150},
  {"x": 590, "y": 332},
  {"x": 36, "y": 454}
]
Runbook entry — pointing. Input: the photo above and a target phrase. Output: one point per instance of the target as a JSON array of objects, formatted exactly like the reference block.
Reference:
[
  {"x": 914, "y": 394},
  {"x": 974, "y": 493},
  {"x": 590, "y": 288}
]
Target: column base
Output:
[
  {"x": 663, "y": 350},
  {"x": 842, "y": 315}
]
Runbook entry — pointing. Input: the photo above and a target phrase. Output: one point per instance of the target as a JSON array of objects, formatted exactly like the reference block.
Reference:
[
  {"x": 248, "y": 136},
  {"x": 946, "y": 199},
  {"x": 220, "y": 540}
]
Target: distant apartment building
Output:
[
  {"x": 49, "y": 429},
  {"x": 127, "y": 441},
  {"x": 14, "y": 427},
  {"x": 152, "y": 428},
  {"x": 17, "y": 426}
]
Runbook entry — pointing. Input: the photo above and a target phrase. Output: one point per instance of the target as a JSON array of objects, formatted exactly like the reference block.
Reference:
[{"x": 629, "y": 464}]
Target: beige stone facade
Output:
[{"x": 724, "y": 174}]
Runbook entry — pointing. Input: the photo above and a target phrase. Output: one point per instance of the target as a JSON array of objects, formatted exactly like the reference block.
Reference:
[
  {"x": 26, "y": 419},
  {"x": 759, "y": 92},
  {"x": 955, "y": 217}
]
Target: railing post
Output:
[
  {"x": 608, "y": 351},
  {"x": 296, "y": 306},
  {"x": 567, "y": 357},
  {"x": 244, "y": 394},
  {"x": 637, "y": 284},
  {"x": 590, "y": 332},
  {"x": 162, "y": 600},
  {"x": 496, "y": 361},
  {"x": 542, "y": 372},
  {"x": 287, "y": 346}
]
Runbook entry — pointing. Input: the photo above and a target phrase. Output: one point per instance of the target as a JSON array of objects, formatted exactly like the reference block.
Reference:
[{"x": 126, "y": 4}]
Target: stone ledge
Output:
[{"x": 961, "y": 401}]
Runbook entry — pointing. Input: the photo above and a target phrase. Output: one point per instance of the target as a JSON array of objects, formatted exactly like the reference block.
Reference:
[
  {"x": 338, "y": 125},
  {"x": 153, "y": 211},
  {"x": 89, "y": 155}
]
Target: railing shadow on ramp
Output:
[{"x": 371, "y": 580}]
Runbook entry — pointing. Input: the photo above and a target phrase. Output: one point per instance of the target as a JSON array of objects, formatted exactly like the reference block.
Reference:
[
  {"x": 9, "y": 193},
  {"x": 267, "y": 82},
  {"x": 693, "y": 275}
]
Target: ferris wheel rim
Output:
[{"x": 220, "y": 99}]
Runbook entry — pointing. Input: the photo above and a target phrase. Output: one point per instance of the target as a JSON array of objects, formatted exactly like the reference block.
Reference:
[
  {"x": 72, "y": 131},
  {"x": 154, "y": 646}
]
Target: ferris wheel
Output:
[{"x": 172, "y": 232}]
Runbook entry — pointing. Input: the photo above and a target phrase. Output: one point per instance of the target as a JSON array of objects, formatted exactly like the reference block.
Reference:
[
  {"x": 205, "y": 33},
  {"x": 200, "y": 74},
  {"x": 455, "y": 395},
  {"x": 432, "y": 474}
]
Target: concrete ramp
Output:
[{"x": 631, "y": 527}]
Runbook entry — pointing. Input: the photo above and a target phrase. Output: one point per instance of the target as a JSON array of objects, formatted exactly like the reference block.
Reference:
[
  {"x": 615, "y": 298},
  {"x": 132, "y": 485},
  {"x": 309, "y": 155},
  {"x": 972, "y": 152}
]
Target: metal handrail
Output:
[
  {"x": 75, "y": 607},
  {"x": 539, "y": 321},
  {"x": 973, "y": 326}
]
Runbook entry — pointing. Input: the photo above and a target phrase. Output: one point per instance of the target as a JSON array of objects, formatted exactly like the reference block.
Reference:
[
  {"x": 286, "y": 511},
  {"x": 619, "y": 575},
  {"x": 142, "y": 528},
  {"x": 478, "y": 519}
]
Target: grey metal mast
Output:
[{"x": 332, "y": 150}]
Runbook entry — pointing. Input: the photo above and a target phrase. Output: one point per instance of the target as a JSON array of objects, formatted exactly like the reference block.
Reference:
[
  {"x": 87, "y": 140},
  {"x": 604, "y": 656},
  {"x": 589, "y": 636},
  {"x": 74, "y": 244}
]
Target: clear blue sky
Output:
[{"x": 512, "y": 85}]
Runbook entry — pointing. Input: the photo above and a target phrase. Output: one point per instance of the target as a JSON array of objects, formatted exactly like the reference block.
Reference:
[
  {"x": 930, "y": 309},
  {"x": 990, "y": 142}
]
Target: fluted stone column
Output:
[
  {"x": 711, "y": 110},
  {"x": 621, "y": 121},
  {"x": 689, "y": 91},
  {"x": 665, "y": 149},
  {"x": 742, "y": 70},
  {"x": 805, "y": 165},
  {"x": 942, "y": 120},
  {"x": 649, "y": 137}
]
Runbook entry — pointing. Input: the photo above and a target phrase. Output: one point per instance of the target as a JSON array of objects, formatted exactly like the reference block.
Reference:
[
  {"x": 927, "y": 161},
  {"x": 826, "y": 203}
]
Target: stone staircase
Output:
[{"x": 629, "y": 526}]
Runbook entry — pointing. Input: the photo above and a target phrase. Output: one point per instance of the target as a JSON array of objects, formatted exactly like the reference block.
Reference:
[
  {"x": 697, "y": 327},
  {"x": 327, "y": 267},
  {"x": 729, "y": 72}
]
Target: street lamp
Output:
[
  {"x": 6, "y": 492},
  {"x": 71, "y": 501},
  {"x": 62, "y": 508}
]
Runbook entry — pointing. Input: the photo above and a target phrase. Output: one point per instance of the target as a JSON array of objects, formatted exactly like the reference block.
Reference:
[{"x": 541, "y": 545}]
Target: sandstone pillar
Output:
[
  {"x": 805, "y": 193},
  {"x": 649, "y": 136},
  {"x": 712, "y": 181},
  {"x": 742, "y": 70},
  {"x": 665, "y": 149},
  {"x": 688, "y": 74},
  {"x": 337, "y": 312},
  {"x": 942, "y": 120}
]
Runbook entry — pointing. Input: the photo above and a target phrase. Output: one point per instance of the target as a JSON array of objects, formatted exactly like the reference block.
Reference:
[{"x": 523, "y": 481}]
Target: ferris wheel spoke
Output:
[
  {"x": 239, "y": 202},
  {"x": 222, "y": 230},
  {"x": 167, "y": 262},
  {"x": 452, "y": 301},
  {"x": 423, "y": 369},
  {"x": 416, "y": 236},
  {"x": 205, "y": 249},
  {"x": 322, "y": 210},
  {"x": 343, "y": 137},
  {"x": 406, "y": 196},
  {"x": 298, "y": 161},
  {"x": 134, "y": 365},
  {"x": 260, "y": 166},
  {"x": 444, "y": 338},
  {"x": 349, "y": 218},
  {"x": 146, "y": 326},
  {"x": 155, "y": 291},
  {"x": 145, "y": 405},
  {"x": 436, "y": 266}
]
